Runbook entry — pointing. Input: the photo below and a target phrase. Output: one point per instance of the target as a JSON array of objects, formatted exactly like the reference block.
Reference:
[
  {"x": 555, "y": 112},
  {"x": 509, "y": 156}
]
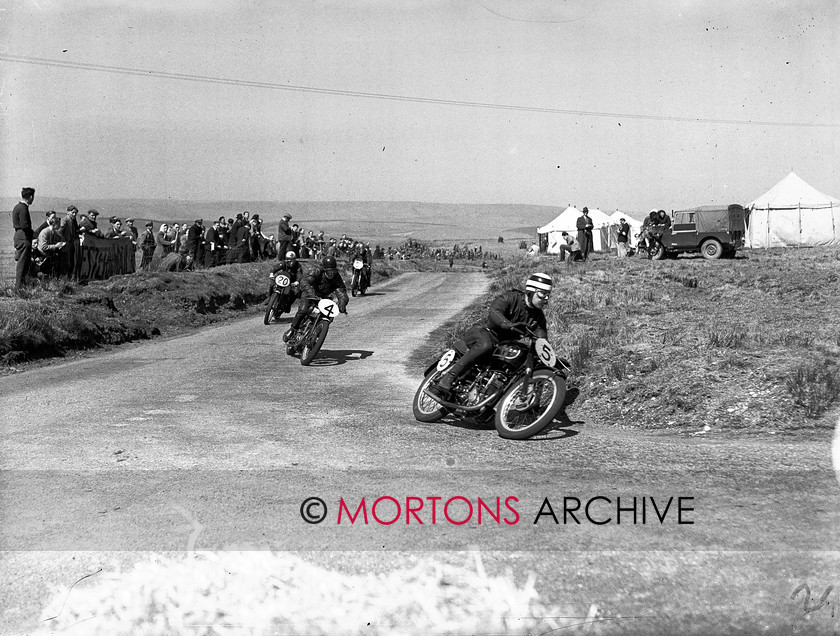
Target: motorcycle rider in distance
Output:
[
  {"x": 320, "y": 283},
  {"x": 364, "y": 254},
  {"x": 291, "y": 266},
  {"x": 507, "y": 313}
]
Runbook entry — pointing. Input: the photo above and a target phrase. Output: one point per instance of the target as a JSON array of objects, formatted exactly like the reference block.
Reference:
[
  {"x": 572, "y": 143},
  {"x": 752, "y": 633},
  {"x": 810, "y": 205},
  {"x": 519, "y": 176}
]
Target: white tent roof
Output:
[
  {"x": 791, "y": 193},
  {"x": 616, "y": 216},
  {"x": 566, "y": 221}
]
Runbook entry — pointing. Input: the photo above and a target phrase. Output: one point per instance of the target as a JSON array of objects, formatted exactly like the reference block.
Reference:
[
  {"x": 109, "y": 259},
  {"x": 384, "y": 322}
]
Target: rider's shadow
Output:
[
  {"x": 327, "y": 358},
  {"x": 561, "y": 422},
  {"x": 370, "y": 293}
]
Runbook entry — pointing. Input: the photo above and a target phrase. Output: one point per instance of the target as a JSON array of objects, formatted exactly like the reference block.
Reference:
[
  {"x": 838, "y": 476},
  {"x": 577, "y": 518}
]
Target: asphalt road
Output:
[{"x": 113, "y": 457}]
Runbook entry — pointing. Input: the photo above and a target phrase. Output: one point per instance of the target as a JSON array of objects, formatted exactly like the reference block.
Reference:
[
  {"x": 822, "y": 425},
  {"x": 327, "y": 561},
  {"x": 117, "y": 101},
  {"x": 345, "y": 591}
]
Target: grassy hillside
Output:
[{"x": 750, "y": 345}]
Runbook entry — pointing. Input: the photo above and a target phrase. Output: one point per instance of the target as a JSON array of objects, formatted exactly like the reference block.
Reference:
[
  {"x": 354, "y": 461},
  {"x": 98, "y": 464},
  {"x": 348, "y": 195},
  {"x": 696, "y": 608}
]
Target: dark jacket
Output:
[
  {"x": 585, "y": 223},
  {"x": 284, "y": 231},
  {"x": 21, "y": 220},
  {"x": 509, "y": 308},
  {"x": 316, "y": 285},
  {"x": 623, "y": 232},
  {"x": 295, "y": 272}
]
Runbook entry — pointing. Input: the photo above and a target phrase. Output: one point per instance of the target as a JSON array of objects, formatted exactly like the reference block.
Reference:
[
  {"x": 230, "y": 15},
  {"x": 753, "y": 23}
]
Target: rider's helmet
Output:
[
  {"x": 538, "y": 284},
  {"x": 330, "y": 266},
  {"x": 291, "y": 257}
]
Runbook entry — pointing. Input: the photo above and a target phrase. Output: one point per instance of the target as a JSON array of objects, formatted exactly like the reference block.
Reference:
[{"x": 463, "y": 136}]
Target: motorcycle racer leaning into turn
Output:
[
  {"x": 508, "y": 312},
  {"x": 319, "y": 283},
  {"x": 291, "y": 266}
]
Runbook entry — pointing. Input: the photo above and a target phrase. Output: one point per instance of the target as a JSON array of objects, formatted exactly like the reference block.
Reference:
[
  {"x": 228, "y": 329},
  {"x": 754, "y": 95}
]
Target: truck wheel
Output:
[{"x": 711, "y": 249}]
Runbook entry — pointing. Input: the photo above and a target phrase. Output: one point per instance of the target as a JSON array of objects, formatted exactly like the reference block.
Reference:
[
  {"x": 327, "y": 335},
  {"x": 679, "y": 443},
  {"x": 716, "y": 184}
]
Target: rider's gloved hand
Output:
[{"x": 519, "y": 327}]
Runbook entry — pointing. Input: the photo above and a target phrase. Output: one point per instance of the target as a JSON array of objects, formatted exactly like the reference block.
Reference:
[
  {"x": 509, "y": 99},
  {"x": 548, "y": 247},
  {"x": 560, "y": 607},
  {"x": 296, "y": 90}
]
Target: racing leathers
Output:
[
  {"x": 295, "y": 272},
  {"x": 318, "y": 285},
  {"x": 505, "y": 312}
]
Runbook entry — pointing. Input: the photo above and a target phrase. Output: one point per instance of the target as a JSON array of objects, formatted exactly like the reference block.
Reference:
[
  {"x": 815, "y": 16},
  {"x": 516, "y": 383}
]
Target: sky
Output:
[{"x": 617, "y": 105}]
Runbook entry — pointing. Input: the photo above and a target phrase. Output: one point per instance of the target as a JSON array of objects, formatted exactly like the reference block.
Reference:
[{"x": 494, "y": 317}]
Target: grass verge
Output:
[
  {"x": 55, "y": 317},
  {"x": 750, "y": 345}
]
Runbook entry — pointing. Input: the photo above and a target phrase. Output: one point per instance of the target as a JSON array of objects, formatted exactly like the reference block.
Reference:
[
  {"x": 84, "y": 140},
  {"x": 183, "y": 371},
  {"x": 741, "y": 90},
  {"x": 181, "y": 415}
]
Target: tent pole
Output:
[{"x": 799, "y": 209}]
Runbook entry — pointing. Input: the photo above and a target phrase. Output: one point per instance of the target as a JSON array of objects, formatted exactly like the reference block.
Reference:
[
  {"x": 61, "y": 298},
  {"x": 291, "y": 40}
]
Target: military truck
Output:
[{"x": 714, "y": 231}]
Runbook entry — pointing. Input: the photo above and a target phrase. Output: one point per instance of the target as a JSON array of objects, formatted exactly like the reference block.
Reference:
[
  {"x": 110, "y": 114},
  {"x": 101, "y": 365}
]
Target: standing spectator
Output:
[
  {"x": 116, "y": 230},
  {"x": 130, "y": 229},
  {"x": 195, "y": 238},
  {"x": 147, "y": 245},
  {"x": 49, "y": 215},
  {"x": 213, "y": 242},
  {"x": 22, "y": 223},
  {"x": 285, "y": 235},
  {"x": 623, "y": 237},
  {"x": 163, "y": 245},
  {"x": 88, "y": 224},
  {"x": 69, "y": 229},
  {"x": 239, "y": 241},
  {"x": 584, "y": 233},
  {"x": 51, "y": 247}
]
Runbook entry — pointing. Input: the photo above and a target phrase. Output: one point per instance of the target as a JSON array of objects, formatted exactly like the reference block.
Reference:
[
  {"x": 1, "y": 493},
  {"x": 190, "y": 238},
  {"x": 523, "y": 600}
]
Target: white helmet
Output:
[
  {"x": 290, "y": 255},
  {"x": 538, "y": 282}
]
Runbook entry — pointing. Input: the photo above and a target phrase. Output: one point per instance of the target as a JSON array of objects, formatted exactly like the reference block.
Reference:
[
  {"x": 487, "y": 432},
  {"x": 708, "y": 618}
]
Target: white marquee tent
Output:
[
  {"x": 566, "y": 221},
  {"x": 793, "y": 213},
  {"x": 635, "y": 228}
]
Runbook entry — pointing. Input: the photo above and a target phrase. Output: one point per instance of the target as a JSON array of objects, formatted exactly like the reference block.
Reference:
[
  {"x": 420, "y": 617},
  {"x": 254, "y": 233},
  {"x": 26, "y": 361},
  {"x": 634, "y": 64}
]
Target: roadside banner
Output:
[{"x": 103, "y": 258}]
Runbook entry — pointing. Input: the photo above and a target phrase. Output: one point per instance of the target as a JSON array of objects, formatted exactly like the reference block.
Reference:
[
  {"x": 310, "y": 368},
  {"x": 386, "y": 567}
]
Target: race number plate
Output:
[
  {"x": 358, "y": 264},
  {"x": 327, "y": 307},
  {"x": 282, "y": 281},
  {"x": 446, "y": 359},
  {"x": 545, "y": 352}
]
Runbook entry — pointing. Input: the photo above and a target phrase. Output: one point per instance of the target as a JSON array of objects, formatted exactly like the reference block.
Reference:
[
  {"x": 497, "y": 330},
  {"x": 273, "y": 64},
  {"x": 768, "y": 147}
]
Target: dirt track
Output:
[{"x": 206, "y": 425}]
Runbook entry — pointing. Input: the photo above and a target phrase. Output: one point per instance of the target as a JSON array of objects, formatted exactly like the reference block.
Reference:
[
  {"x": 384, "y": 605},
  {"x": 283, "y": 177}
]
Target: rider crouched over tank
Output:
[
  {"x": 508, "y": 312},
  {"x": 319, "y": 283},
  {"x": 293, "y": 269}
]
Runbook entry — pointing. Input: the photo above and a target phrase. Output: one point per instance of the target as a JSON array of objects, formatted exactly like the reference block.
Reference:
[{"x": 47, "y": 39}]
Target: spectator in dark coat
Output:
[
  {"x": 584, "y": 233},
  {"x": 213, "y": 245},
  {"x": 22, "y": 223},
  {"x": 88, "y": 224},
  {"x": 147, "y": 246},
  {"x": 69, "y": 229},
  {"x": 285, "y": 235}
]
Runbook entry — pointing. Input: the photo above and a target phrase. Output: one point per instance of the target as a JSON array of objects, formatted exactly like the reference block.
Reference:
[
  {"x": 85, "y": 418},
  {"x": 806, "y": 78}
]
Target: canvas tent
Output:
[
  {"x": 793, "y": 213},
  {"x": 566, "y": 221},
  {"x": 635, "y": 228}
]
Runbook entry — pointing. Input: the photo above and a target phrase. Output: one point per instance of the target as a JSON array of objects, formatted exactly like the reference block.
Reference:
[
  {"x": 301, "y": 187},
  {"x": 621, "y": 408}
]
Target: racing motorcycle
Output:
[
  {"x": 281, "y": 299},
  {"x": 521, "y": 386},
  {"x": 312, "y": 332},
  {"x": 359, "y": 283}
]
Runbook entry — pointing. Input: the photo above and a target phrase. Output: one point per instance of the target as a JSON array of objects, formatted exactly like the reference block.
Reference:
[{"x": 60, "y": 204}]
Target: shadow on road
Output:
[
  {"x": 370, "y": 293},
  {"x": 326, "y": 358}
]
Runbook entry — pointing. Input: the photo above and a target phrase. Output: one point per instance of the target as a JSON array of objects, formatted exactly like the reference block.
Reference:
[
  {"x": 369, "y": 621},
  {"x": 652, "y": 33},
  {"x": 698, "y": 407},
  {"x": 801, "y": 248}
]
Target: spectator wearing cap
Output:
[
  {"x": 69, "y": 228},
  {"x": 147, "y": 245},
  {"x": 285, "y": 235},
  {"x": 584, "y": 233},
  {"x": 88, "y": 224},
  {"x": 195, "y": 240},
  {"x": 623, "y": 238},
  {"x": 22, "y": 223}
]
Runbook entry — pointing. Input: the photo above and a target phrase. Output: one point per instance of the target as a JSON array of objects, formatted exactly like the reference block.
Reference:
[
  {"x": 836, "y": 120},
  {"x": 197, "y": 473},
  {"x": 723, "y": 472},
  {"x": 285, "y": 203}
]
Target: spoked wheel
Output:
[
  {"x": 312, "y": 342},
  {"x": 425, "y": 408},
  {"x": 271, "y": 309},
  {"x": 519, "y": 416}
]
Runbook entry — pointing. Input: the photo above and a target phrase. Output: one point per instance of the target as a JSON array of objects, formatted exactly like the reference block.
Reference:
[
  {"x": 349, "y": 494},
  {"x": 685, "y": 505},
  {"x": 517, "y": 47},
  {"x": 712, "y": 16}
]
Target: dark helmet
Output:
[{"x": 329, "y": 262}]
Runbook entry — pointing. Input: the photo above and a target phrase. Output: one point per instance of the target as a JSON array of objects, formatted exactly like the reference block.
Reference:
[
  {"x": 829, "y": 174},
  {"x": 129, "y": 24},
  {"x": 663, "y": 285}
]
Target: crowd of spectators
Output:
[{"x": 417, "y": 249}]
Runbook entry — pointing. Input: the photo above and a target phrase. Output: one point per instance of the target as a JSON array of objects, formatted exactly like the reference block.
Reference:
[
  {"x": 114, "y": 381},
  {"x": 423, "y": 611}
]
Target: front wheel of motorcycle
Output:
[
  {"x": 312, "y": 343},
  {"x": 520, "y": 416},
  {"x": 425, "y": 408},
  {"x": 270, "y": 310}
]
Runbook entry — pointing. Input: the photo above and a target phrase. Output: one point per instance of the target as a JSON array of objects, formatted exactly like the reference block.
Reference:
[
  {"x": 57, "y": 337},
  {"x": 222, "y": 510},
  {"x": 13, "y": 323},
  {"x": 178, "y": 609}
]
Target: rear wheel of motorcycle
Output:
[
  {"x": 513, "y": 423},
  {"x": 269, "y": 311},
  {"x": 312, "y": 344},
  {"x": 425, "y": 408}
]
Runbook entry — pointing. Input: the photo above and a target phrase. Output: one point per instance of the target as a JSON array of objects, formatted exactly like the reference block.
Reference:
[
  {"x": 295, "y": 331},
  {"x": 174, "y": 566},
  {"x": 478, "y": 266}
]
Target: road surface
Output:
[{"x": 109, "y": 458}]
